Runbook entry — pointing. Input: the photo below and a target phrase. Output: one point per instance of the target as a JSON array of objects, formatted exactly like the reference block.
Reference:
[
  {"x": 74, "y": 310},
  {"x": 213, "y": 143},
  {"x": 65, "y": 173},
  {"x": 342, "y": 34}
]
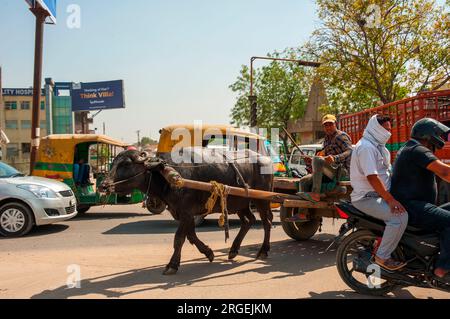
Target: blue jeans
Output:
[
  {"x": 433, "y": 218},
  {"x": 395, "y": 224}
]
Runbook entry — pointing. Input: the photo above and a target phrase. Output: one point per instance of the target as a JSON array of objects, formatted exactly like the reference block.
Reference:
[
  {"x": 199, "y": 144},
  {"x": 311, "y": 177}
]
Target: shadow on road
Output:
[
  {"x": 170, "y": 226},
  {"x": 118, "y": 215},
  {"x": 287, "y": 258},
  {"x": 347, "y": 294},
  {"x": 42, "y": 231}
]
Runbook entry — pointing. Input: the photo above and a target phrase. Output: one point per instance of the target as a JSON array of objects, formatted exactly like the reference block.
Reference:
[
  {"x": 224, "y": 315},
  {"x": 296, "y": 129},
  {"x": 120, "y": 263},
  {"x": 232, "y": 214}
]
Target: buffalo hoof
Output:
[
  {"x": 210, "y": 256},
  {"x": 170, "y": 271},
  {"x": 262, "y": 255},
  {"x": 232, "y": 255}
]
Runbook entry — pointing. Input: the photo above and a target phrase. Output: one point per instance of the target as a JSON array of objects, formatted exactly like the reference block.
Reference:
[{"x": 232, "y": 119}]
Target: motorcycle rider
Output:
[
  {"x": 370, "y": 177},
  {"x": 414, "y": 184}
]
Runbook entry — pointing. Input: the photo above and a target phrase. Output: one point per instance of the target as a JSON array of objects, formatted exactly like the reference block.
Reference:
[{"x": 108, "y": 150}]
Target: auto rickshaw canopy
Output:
[
  {"x": 60, "y": 148},
  {"x": 176, "y": 134},
  {"x": 56, "y": 153}
]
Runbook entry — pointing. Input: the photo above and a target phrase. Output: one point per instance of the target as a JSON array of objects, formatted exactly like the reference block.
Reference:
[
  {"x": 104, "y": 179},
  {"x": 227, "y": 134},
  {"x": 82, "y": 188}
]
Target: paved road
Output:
[{"x": 122, "y": 251}]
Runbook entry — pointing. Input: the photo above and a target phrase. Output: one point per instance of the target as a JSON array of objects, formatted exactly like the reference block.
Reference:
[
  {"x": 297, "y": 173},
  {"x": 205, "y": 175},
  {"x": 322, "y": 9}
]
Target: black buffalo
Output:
[{"x": 133, "y": 170}]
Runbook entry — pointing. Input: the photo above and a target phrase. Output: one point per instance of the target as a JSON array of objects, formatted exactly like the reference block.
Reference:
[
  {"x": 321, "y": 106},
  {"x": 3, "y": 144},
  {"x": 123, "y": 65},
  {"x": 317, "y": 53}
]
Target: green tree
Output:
[
  {"x": 147, "y": 140},
  {"x": 380, "y": 50},
  {"x": 281, "y": 88}
]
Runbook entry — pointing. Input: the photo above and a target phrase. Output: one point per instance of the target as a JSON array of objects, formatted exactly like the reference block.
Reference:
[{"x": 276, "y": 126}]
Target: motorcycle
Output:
[{"x": 354, "y": 260}]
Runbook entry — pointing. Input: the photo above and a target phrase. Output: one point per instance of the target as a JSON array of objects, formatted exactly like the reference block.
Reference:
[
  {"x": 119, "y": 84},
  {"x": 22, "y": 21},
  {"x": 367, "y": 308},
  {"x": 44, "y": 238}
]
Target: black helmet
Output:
[{"x": 430, "y": 130}]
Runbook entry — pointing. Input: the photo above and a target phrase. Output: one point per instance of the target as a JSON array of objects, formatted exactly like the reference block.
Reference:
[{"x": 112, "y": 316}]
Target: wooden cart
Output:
[
  {"x": 312, "y": 214},
  {"x": 291, "y": 204}
]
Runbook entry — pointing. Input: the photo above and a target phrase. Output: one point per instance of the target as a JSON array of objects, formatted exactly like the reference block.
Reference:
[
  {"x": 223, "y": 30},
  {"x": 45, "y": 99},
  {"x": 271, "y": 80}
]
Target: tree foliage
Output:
[
  {"x": 380, "y": 50},
  {"x": 147, "y": 140}
]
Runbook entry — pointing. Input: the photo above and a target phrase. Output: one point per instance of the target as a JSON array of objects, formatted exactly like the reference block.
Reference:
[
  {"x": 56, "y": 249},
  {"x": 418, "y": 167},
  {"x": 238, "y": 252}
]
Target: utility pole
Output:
[
  {"x": 139, "y": 139},
  {"x": 2, "y": 109},
  {"x": 3, "y": 138},
  {"x": 1, "y": 102},
  {"x": 41, "y": 15},
  {"x": 1, "y": 89},
  {"x": 104, "y": 129}
]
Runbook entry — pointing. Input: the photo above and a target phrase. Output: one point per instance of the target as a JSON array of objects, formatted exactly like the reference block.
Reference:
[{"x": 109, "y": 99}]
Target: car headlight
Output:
[{"x": 39, "y": 191}]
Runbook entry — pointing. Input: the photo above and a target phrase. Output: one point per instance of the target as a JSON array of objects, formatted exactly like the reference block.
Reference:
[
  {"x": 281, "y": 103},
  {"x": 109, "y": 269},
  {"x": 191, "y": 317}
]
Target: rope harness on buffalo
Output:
[{"x": 219, "y": 191}]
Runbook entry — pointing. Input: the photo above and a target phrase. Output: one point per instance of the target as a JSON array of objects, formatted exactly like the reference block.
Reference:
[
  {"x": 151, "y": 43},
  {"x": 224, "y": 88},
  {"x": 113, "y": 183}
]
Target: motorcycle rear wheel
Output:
[{"x": 359, "y": 242}]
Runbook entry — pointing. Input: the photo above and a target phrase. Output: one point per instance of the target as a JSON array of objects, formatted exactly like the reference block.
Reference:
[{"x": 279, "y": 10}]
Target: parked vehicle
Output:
[
  {"x": 418, "y": 248},
  {"x": 210, "y": 136},
  {"x": 27, "y": 201},
  {"x": 404, "y": 114},
  {"x": 59, "y": 156},
  {"x": 279, "y": 167},
  {"x": 296, "y": 160}
]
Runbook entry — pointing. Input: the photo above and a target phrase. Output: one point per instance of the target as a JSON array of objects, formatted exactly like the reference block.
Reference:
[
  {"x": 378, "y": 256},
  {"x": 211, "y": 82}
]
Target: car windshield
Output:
[
  {"x": 7, "y": 171},
  {"x": 309, "y": 152}
]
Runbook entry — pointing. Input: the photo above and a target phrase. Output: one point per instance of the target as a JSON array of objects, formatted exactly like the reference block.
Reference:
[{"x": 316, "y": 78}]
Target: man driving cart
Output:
[{"x": 328, "y": 169}]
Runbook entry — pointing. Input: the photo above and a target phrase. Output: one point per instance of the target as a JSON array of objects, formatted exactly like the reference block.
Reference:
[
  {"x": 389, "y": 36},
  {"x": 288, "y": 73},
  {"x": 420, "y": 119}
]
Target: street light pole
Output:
[
  {"x": 139, "y": 139},
  {"x": 253, "y": 99},
  {"x": 1, "y": 103},
  {"x": 41, "y": 15},
  {"x": 1, "y": 115}
]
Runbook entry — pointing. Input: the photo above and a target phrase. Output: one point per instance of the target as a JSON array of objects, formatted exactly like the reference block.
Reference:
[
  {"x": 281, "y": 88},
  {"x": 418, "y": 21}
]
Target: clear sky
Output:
[{"x": 177, "y": 57}]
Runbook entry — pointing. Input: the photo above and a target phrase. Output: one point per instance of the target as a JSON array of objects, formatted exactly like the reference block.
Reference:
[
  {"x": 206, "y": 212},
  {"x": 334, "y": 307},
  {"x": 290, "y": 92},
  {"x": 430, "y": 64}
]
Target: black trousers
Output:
[{"x": 433, "y": 218}]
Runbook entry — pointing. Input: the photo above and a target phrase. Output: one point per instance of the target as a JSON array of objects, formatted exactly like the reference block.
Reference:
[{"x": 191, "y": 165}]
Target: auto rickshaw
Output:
[
  {"x": 67, "y": 157},
  {"x": 216, "y": 137},
  {"x": 209, "y": 136}
]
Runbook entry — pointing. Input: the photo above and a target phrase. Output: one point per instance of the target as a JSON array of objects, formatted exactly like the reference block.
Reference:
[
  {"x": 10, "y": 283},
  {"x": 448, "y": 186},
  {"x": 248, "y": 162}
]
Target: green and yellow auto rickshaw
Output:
[{"x": 82, "y": 161}]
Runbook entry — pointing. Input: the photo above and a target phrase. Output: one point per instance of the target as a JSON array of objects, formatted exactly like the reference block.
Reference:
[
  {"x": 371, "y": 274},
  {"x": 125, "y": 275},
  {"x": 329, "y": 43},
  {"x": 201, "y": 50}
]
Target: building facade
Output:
[
  {"x": 16, "y": 116},
  {"x": 308, "y": 130},
  {"x": 56, "y": 117}
]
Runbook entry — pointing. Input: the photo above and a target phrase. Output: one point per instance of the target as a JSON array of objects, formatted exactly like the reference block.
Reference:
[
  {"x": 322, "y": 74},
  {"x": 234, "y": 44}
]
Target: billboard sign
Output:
[
  {"x": 97, "y": 96},
  {"x": 47, "y": 5}
]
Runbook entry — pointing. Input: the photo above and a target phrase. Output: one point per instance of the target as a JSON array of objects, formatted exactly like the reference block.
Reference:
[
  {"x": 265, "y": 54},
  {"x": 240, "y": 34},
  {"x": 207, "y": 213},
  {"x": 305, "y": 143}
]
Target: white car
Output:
[
  {"x": 296, "y": 161},
  {"x": 27, "y": 201}
]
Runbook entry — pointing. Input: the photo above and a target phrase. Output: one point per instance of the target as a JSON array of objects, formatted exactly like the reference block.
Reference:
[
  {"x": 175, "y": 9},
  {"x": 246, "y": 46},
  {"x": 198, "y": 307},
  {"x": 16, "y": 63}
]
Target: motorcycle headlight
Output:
[{"x": 39, "y": 191}]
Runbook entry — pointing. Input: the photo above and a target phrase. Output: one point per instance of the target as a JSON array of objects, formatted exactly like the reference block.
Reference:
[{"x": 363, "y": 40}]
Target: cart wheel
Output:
[{"x": 299, "y": 230}]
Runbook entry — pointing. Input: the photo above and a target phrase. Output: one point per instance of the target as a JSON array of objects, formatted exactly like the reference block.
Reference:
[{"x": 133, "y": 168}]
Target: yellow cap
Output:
[{"x": 329, "y": 118}]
